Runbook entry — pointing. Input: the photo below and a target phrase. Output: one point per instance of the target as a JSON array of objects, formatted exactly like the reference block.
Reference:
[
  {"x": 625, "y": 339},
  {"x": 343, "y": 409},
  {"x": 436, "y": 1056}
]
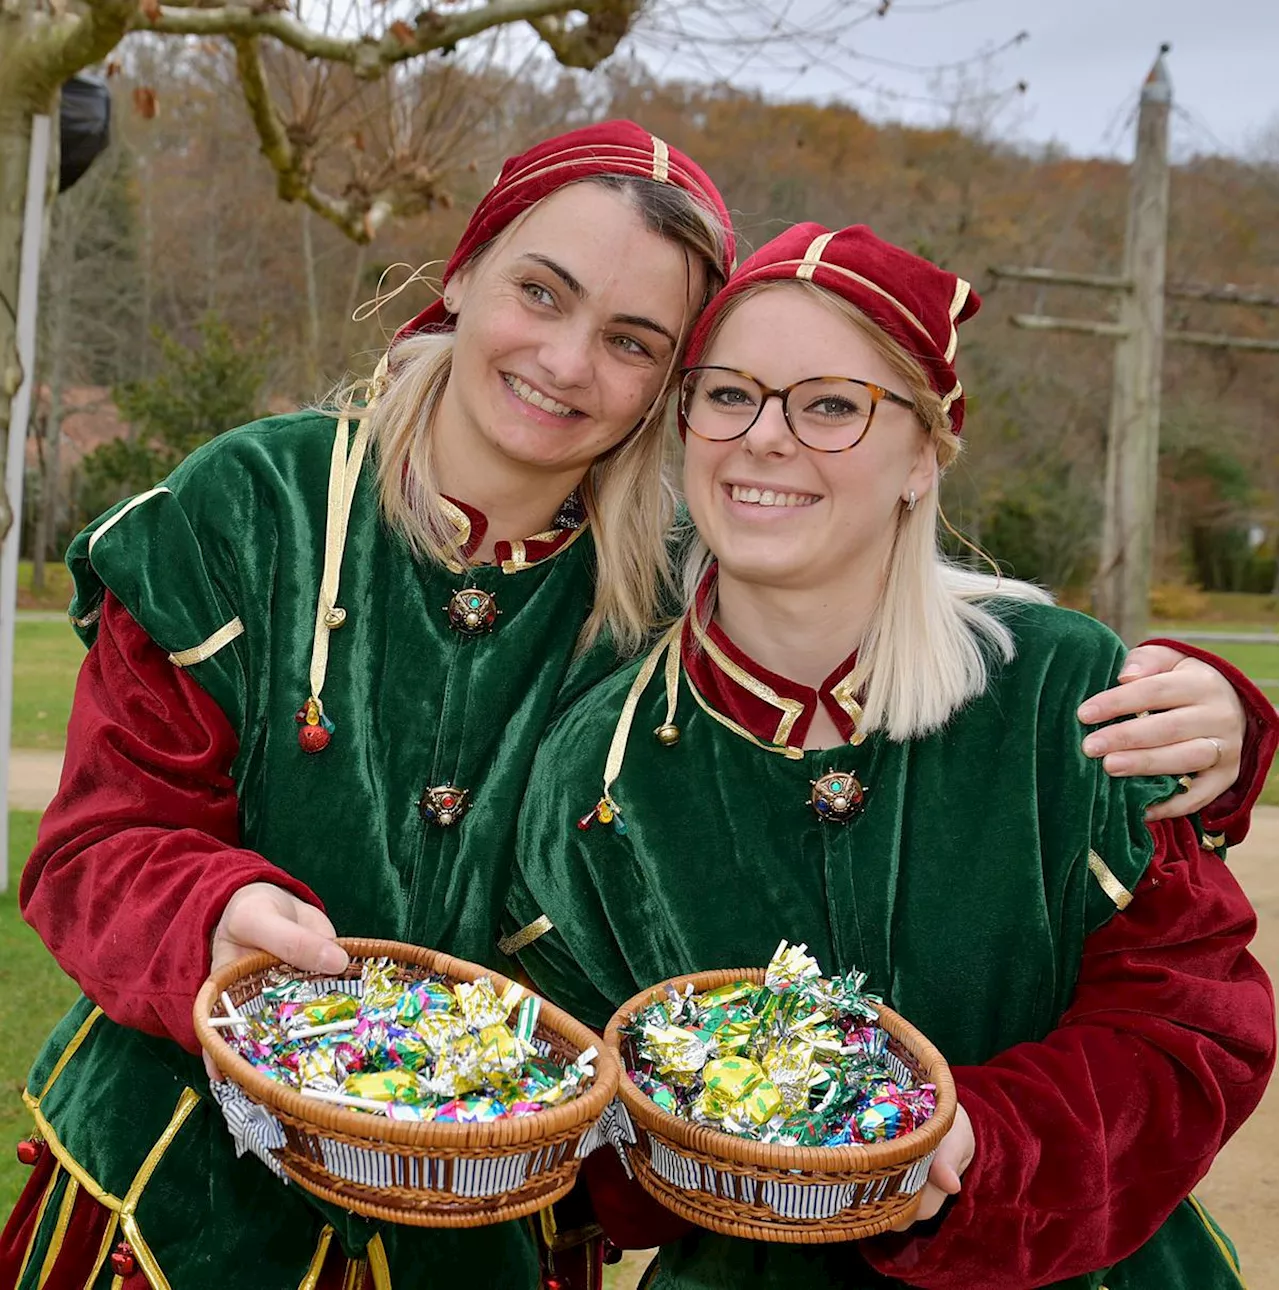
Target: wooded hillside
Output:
[{"x": 180, "y": 222}]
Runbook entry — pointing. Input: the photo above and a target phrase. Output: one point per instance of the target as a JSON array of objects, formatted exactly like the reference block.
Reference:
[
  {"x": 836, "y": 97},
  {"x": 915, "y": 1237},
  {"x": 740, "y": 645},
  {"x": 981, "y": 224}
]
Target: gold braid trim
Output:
[
  {"x": 122, "y": 1210},
  {"x": 378, "y": 1265},
  {"x": 35, "y": 1231},
  {"x": 59, "y": 1232},
  {"x": 1223, "y": 1248},
  {"x": 1119, "y": 894},
  {"x": 108, "y": 1240},
  {"x": 146, "y": 1260},
  {"x": 517, "y": 941},
  {"x": 69, "y": 1051},
  {"x": 208, "y": 648},
  {"x": 67, "y": 1160},
  {"x": 316, "y": 1266}
]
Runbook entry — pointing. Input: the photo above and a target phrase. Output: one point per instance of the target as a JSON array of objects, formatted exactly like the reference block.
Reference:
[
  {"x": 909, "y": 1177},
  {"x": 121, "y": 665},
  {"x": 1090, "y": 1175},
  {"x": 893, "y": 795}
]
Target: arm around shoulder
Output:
[{"x": 1088, "y": 1139}]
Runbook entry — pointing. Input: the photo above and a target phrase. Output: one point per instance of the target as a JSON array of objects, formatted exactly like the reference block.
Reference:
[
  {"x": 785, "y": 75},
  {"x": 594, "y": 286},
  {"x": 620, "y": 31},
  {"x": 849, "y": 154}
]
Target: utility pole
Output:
[{"x": 1122, "y": 588}]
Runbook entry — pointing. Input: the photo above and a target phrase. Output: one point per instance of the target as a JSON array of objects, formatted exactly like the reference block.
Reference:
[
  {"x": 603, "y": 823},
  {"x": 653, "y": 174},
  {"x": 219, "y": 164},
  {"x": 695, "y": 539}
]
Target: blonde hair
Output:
[
  {"x": 929, "y": 642},
  {"x": 627, "y": 493}
]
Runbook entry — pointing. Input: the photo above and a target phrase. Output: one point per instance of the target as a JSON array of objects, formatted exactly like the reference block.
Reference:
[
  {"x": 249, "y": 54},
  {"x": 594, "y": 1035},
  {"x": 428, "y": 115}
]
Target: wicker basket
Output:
[
  {"x": 767, "y": 1192},
  {"x": 421, "y": 1173}
]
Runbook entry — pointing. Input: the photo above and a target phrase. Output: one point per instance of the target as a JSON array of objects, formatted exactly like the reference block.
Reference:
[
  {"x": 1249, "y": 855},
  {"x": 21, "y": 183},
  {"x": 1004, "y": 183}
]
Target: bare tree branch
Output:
[
  {"x": 430, "y": 31},
  {"x": 291, "y": 162},
  {"x": 588, "y": 43}
]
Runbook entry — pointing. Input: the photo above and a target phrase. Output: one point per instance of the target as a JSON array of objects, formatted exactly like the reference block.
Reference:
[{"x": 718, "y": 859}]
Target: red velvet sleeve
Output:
[
  {"x": 1087, "y": 1140},
  {"x": 139, "y": 852},
  {"x": 1229, "y": 813}
]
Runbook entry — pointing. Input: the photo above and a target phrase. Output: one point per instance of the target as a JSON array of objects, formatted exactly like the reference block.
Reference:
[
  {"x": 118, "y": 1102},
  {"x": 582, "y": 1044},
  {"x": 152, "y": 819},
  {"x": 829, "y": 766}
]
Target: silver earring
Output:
[{"x": 911, "y": 500}]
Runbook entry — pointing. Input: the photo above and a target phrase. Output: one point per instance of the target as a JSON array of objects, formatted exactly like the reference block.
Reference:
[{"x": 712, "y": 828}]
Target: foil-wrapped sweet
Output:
[
  {"x": 798, "y": 1061},
  {"x": 411, "y": 1050}
]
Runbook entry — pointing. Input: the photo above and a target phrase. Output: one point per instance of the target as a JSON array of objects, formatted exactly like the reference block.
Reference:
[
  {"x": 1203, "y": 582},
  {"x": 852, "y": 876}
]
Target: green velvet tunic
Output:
[
  {"x": 964, "y": 889},
  {"x": 238, "y": 532}
]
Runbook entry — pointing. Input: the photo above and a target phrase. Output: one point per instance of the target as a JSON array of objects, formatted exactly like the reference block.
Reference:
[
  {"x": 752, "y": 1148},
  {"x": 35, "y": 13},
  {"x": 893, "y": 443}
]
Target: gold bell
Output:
[
  {"x": 668, "y": 734},
  {"x": 334, "y": 618}
]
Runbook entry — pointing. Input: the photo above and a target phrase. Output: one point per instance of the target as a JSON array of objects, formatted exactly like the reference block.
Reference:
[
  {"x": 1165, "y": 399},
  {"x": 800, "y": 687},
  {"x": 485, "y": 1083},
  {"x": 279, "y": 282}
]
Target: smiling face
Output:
[
  {"x": 567, "y": 329},
  {"x": 778, "y": 514}
]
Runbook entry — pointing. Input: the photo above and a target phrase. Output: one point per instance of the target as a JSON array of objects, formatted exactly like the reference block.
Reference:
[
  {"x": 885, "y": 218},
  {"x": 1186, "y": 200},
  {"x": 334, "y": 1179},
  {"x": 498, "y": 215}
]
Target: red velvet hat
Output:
[
  {"x": 610, "y": 148},
  {"x": 916, "y": 302}
]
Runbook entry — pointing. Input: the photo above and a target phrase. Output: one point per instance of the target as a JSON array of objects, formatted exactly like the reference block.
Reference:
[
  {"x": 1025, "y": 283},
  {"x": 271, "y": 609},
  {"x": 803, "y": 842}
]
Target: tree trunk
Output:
[
  {"x": 313, "y": 306},
  {"x": 38, "y": 51},
  {"x": 15, "y": 152}
]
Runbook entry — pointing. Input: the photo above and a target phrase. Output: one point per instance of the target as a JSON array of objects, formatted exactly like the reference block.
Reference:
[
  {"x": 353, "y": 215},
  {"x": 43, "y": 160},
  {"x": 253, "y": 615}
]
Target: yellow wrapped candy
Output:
[
  {"x": 732, "y": 1078},
  {"x": 329, "y": 1008},
  {"x": 501, "y": 1049},
  {"x": 397, "y": 1085}
]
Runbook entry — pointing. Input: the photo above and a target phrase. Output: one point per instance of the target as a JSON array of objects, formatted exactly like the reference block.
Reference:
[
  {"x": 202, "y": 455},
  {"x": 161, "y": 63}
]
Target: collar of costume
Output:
[
  {"x": 772, "y": 708},
  {"x": 916, "y": 302},
  {"x": 607, "y": 148},
  {"x": 512, "y": 557}
]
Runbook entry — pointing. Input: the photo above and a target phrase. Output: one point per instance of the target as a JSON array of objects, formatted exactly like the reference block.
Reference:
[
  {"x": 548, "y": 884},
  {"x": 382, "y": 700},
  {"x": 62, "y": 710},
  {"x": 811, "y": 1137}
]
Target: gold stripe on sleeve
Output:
[
  {"x": 1118, "y": 893},
  {"x": 517, "y": 941},
  {"x": 208, "y": 648}
]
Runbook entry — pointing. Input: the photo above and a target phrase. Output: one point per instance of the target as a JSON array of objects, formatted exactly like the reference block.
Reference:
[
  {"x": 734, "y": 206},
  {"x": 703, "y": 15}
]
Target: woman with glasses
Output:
[{"x": 848, "y": 741}]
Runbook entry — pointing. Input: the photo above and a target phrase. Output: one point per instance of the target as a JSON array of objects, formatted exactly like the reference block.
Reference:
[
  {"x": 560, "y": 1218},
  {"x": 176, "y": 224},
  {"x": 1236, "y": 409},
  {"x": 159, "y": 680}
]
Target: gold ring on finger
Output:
[
  {"x": 1185, "y": 782},
  {"x": 1217, "y": 751}
]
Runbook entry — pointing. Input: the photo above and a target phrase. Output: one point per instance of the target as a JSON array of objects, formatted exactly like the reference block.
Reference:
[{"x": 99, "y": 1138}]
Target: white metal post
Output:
[{"x": 15, "y": 463}]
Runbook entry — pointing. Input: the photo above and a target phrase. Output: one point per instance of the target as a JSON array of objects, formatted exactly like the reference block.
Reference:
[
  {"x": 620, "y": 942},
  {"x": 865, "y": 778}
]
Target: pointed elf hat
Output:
[
  {"x": 914, "y": 301},
  {"x": 608, "y": 148}
]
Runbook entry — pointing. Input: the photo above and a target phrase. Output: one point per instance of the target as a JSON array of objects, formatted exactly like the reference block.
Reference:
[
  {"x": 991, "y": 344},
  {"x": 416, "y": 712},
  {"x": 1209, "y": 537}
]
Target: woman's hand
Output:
[
  {"x": 955, "y": 1152},
  {"x": 1189, "y": 721},
  {"x": 262, "y": 916}
]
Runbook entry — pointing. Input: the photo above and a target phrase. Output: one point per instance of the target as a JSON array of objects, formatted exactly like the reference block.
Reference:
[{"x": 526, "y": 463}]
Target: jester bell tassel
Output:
[
  {"x": 314, "y": 728},
  {"x": 607, "y": 811},
  {"x": 837, "y": 796}
]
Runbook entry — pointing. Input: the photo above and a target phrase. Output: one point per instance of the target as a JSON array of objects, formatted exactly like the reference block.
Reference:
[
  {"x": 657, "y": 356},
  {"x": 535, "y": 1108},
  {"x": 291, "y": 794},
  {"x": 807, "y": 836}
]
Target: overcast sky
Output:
[{"x": 1083, "y": 62}]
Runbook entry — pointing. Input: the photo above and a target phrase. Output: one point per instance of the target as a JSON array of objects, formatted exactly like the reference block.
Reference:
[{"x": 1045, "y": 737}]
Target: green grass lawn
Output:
[
  {"x": 34, "y": 993},
  {"x": 47, "y": 656},
  {"x": 54, "y": 595}
]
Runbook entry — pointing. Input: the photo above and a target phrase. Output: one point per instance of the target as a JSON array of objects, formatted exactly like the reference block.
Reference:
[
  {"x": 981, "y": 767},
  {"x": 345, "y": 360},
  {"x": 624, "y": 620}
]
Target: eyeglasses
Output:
[{"x": 826, "y": 413}]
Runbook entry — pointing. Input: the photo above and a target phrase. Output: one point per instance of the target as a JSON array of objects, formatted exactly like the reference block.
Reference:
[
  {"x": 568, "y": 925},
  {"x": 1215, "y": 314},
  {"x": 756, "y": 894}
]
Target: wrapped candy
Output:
[
  {"x": 798, "y": 1060},
  {"x": 411, "y": 1049}
]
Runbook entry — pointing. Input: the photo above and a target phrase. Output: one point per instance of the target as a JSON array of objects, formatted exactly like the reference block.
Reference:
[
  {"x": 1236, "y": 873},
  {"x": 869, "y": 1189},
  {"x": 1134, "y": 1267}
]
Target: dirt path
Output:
[{"x": 1243, "y": 1188}]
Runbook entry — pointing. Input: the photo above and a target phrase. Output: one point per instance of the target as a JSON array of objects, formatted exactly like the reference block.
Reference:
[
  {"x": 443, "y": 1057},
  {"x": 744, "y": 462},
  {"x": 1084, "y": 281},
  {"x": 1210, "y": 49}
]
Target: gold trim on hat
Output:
[
  {"x": 949, "y": 399},
  {"x": 661, "y": 160},
  {"x": 805, "y": 270},
  {"x": 813, "y": 256},
  {"x": 957, "y": 303}
]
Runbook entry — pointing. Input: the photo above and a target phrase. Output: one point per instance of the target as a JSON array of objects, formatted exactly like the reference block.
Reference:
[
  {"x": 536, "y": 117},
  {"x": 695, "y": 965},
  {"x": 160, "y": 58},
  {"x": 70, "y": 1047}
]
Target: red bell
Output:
[
  {"x": 123, "y": 1264},
  {"x": 554, "y": 1283},
  {"x": 30, "y": 1150},
  {"x": 313, "y": 739},
  {"x": 585, "y": 823}
]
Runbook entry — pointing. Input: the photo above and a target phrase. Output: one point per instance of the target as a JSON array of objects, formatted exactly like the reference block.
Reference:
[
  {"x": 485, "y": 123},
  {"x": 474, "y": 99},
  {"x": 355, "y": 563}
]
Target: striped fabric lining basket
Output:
[
  {"x": 419, "y": 1173},
  {"x": 766, "y": 1192}
]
